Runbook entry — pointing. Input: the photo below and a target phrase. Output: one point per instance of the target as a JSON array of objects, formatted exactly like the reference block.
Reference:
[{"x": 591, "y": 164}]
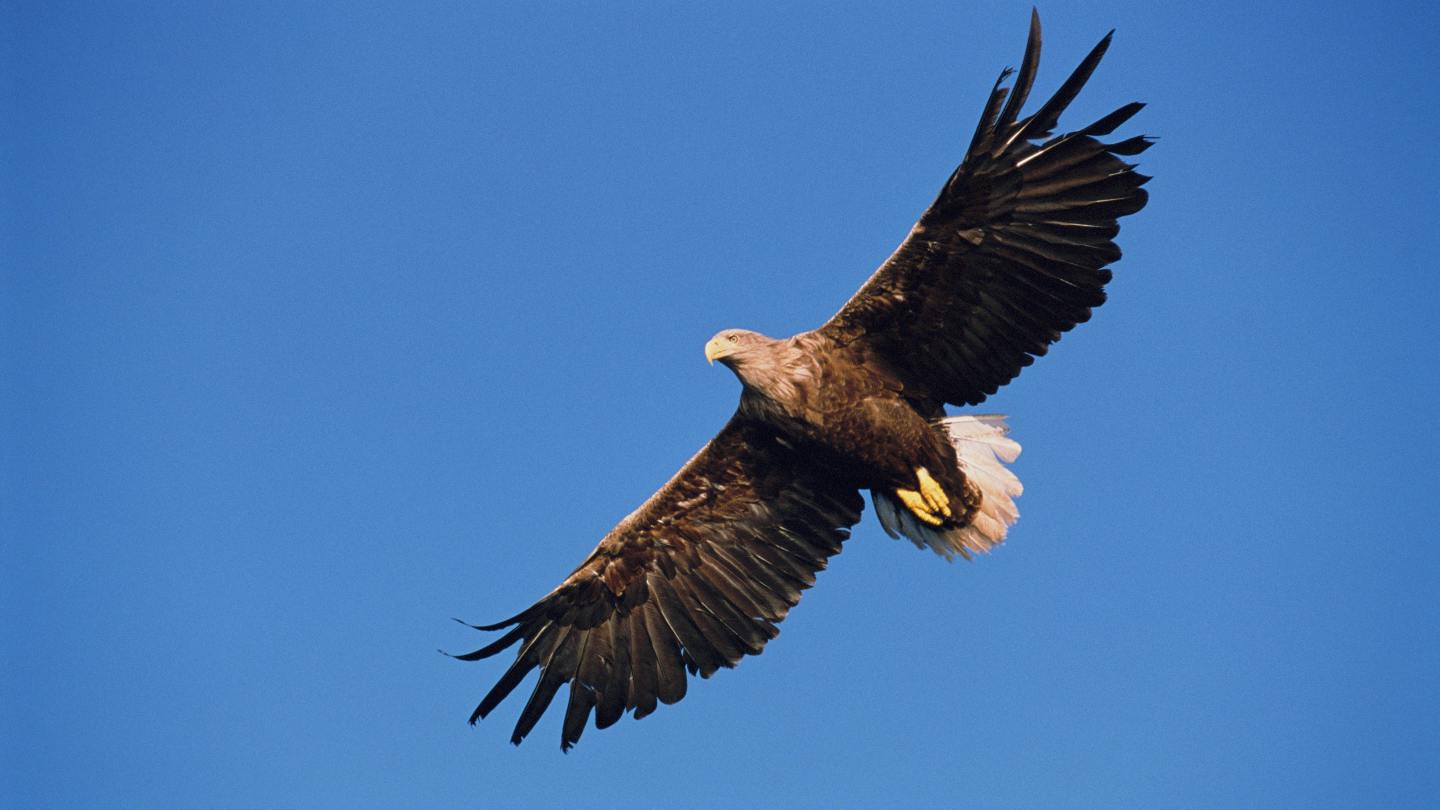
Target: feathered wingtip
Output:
[
  {"x": 1000, "y": 129},
  {"x": 513, "y": 676},
  {"x": 992, "y": 118}
]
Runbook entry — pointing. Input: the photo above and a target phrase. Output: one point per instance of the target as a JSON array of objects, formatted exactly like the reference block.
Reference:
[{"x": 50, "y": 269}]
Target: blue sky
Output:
[{"x": 322, "y": 326}]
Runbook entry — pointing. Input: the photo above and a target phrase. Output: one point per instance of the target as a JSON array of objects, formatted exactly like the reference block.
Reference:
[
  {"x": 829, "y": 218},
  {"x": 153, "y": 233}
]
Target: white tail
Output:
[{"x": 983, "y": 448}]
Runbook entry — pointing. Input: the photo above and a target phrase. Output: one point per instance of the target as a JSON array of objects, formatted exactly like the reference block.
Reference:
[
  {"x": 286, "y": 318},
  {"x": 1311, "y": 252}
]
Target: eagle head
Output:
[{"x": 732, "y": 346}]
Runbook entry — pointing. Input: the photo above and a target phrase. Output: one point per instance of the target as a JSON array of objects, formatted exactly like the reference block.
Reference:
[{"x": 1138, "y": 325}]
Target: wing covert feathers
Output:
[
  {"x": 693, "y": 580},
  {"x": 1014, "y": 251}
]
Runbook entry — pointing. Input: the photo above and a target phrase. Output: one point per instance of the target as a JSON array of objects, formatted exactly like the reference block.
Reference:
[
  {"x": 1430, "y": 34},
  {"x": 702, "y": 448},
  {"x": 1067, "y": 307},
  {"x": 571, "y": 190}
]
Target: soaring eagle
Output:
[{"x": 1012, "y": 253}]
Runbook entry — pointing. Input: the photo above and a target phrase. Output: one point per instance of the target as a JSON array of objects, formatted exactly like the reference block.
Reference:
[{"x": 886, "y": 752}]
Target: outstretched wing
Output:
[
  {"x": 694, "y": 579},
  {"x": 1012, "y": 253}
]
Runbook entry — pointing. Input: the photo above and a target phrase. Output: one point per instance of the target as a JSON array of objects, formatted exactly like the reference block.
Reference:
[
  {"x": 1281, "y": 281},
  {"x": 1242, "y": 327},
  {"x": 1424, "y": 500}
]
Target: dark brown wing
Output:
[
  {"x": 694, "y": 579},
  {"x": 1011, "y": 254}
]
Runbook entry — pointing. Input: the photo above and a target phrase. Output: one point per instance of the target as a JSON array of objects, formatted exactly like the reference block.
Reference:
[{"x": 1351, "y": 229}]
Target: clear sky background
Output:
[{"x": 321, "y": 326}]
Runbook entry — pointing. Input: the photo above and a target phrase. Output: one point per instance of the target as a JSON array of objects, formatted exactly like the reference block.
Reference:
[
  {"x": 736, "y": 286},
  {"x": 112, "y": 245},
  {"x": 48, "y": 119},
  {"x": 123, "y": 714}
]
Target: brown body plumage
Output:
[
  {"x": 831, "y": 399},
  {"x": 1012, "y": 253}
]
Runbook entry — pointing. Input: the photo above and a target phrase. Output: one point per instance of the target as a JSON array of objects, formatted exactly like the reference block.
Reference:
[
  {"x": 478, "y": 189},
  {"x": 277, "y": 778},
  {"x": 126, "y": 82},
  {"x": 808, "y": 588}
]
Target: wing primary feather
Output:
[
  {"x": 1109, "y": 123},
  {"x": 522, "y": 616},
  {"x": 1044, "y": 119},
  {"x": 1025, "y": 78},
  {"x": 985, "y": 128},
  {"x": 1132, "y": 146},
  {"x": 538, "y": 647},
  {"x": 493, "y": 647},
  {"x": 502, "y": 689},
  {"x": 582, "y": 695},
  {"x": 553, "y": 675}
]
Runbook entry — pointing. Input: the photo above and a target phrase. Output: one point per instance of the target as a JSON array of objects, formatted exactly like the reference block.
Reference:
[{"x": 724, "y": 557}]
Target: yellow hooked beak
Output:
[{"x": 717, "y": 348}]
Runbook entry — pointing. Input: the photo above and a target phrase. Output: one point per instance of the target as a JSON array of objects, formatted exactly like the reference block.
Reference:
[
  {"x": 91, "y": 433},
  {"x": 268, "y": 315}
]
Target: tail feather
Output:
[{"x": 983, "y": 448}]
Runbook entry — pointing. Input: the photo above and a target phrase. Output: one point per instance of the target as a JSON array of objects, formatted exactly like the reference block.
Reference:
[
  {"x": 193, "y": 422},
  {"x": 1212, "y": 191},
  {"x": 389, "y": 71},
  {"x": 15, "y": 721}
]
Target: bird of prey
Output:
[{"x": 1010, "y": 255}]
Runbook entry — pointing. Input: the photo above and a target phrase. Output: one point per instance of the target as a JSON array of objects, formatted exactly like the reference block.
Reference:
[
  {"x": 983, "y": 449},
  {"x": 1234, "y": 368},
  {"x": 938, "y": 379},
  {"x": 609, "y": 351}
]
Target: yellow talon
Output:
[
  {"x": 933, "y": 493},
  {"x": 916, "y": 503}
]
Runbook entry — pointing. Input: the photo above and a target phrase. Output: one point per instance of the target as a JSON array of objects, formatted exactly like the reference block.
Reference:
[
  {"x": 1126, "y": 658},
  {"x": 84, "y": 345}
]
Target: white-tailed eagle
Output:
[{"x": 1012, "y": 254}]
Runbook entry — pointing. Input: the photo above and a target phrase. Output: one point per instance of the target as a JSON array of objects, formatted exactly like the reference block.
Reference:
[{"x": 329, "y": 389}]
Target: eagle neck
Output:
[{"x": 776, "y": 379}]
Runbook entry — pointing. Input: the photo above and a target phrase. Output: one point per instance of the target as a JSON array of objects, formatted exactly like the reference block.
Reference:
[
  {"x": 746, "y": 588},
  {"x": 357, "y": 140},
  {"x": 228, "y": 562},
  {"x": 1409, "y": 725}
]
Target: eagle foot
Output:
[
  {"x": 933, "y": 493},
  {"x": 916, "y": 503}
]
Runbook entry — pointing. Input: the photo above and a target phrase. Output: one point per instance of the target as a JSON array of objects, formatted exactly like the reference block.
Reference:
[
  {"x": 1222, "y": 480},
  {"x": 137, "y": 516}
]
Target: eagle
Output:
[{"x": 1013, "y": 252}]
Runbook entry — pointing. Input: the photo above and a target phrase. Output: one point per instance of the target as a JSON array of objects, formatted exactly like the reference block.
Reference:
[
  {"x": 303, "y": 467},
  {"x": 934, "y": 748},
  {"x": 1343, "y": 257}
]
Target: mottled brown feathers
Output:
[
  {"x": 1012, "y": 254},
  {"x": 694, "y": 579}
]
